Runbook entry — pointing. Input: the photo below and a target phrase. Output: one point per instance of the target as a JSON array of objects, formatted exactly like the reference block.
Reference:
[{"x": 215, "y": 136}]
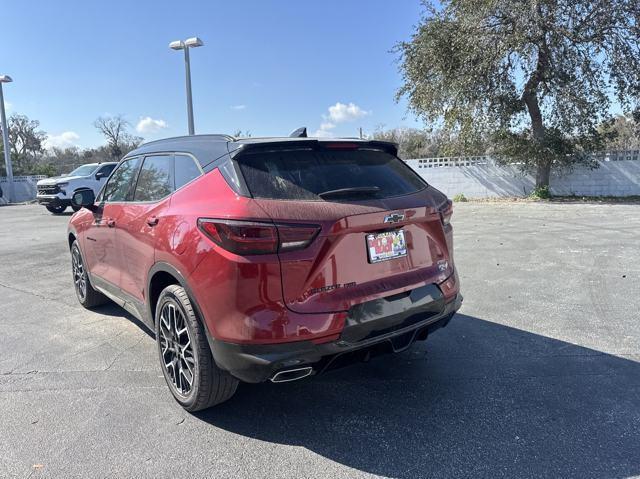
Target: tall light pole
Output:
[
  {"x": 185, "y": 45},
  {"x": 5, "y": 137}
]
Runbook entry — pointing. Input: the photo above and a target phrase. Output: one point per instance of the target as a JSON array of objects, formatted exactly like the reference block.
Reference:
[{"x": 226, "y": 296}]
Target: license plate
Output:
[{"x": 385, "y": 246}]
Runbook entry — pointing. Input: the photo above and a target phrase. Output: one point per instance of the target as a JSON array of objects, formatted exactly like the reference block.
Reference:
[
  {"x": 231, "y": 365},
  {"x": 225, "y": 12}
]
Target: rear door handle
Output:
[
  {"x": 111, "y": 222},
  {"x": 152, "y": 220}
]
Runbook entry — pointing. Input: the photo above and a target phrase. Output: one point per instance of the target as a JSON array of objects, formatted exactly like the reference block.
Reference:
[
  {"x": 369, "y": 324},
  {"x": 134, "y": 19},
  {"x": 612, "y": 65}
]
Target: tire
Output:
[
  {"x": 183, "y": 351},
  {"x": 75, "y": 208},
  {"x": 87, "y": 296},
  {"x": 56, "y": 210}
]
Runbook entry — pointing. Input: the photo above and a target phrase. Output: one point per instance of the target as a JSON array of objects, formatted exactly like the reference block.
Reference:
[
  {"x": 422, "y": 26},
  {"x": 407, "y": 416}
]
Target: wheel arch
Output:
[
  {"x": 71, "y": 236},
  {"x": 162, "y": 275}
]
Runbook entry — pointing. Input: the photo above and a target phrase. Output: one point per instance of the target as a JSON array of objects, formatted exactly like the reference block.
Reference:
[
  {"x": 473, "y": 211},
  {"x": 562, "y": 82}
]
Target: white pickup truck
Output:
[{"x": 55, "y": 193}]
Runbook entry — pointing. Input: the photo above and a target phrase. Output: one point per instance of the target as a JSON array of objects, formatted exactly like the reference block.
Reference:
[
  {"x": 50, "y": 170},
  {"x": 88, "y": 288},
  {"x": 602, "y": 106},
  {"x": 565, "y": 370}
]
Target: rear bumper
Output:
[{"x": 374, "y": 328}]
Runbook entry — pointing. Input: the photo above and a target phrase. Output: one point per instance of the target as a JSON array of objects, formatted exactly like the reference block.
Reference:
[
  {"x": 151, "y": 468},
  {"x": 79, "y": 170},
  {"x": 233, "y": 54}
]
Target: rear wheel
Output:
[
  {"x": 56, "y": 210},
  {"x": 193, "y": 378},
  {"x": 75, "y": 207},
  {"x": 87, "y": 296}
]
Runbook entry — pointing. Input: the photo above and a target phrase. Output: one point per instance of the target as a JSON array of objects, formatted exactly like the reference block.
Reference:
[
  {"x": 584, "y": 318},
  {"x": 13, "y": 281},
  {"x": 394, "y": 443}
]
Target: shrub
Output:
[{"x": 540, "y": 193}]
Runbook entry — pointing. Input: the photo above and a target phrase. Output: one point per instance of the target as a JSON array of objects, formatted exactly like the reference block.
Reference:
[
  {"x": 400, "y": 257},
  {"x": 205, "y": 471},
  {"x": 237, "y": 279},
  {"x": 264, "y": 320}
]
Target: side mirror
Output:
[
  {"x": 84, "y": 198},
  {"x": 100, "y": 175}
]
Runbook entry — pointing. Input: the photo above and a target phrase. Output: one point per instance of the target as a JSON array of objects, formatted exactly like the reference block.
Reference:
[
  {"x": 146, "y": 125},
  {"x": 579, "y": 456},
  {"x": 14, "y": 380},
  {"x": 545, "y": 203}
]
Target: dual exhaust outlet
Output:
[{"x": 291, "y": 375}]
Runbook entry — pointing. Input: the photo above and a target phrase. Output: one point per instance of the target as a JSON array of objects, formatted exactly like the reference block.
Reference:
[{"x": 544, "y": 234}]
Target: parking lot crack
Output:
[
  {"x": 33, "y": 293},
  {"x": 122, "y": 352}
]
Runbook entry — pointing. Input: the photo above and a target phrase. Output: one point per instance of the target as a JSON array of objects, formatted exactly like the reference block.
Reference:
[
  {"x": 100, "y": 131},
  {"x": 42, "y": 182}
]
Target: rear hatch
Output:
[{"x": 379, "y": 225}]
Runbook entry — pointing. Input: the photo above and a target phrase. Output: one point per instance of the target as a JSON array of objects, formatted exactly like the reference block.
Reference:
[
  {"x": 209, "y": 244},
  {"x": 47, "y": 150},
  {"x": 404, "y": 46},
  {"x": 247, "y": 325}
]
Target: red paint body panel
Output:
[
  {"x": 334, "y": 273},
  {"x": 136, "y": 243},
  {"x": 100, "y": 246},
  {"x": 271, "y": 298}
]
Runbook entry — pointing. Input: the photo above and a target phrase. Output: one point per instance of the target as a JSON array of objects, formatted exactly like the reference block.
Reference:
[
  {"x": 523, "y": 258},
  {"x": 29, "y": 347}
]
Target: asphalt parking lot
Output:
[{"x": 538, "y": 376}]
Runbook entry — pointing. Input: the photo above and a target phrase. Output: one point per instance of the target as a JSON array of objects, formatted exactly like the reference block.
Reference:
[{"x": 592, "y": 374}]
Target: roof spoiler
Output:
[{"x": 310, "y": 143}]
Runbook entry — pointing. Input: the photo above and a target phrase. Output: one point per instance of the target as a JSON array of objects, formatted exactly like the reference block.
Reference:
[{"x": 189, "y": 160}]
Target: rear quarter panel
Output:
[{"x": 229, "y": 289}]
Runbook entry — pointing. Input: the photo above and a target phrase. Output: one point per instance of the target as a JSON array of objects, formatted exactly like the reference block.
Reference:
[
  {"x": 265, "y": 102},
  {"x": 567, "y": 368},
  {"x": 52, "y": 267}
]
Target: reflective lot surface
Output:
[{"x": 539, "y": 374}]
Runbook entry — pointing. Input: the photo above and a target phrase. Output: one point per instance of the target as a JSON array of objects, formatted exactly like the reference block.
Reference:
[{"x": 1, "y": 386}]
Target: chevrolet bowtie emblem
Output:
[{"x": 394, "y": 218}]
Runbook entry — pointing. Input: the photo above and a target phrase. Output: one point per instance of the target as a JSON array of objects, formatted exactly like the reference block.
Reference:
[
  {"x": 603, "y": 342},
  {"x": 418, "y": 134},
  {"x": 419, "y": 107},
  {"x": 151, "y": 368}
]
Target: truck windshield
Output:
[{"x": 84, "y": 170}]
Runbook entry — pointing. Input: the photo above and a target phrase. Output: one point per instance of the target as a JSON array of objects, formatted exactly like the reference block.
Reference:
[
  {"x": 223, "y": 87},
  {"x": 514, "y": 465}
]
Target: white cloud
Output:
[
  {"x": 8, "y": 106},
  {"x": 63, "y": 140},
  {"x": 148, "y": 125},
  {"x": 322, "y": 134},
  {"x": 238, "y": 107},
  {"x": 325, "y": 130},
  {"x": 340, "y": 113}
]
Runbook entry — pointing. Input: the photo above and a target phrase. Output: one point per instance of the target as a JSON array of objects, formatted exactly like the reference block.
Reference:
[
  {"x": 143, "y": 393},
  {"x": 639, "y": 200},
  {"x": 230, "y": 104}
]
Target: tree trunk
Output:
[
  {"x": 537, "y": 132},
  {"x": 542, "y": 174},
  {"x": 530, "y": 99}
]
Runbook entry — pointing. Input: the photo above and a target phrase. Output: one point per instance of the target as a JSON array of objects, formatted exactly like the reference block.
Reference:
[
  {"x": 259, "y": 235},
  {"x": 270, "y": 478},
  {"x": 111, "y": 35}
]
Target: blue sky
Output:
[{"x": 267, "y": 66}]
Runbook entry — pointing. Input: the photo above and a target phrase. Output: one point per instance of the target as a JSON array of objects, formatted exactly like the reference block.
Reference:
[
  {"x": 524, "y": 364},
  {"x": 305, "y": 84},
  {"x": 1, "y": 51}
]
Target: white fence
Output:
[
  {"x": 24, "y": 188},
  {"x": 481, "y": 177}
]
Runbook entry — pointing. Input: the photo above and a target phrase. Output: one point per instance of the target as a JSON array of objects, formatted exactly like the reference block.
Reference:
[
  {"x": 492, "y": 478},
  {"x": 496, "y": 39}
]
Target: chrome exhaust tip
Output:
[{"x": 291, "y": 375}]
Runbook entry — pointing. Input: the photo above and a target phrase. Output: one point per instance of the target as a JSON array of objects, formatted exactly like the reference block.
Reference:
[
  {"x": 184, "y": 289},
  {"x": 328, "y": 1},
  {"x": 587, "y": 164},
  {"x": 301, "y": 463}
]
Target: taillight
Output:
[
  {"x": 293, "y": 237},
  {"x": 445, "y": 212},
  {"x": 251, "y": 237},
  {"x": 241, "y": 237}
]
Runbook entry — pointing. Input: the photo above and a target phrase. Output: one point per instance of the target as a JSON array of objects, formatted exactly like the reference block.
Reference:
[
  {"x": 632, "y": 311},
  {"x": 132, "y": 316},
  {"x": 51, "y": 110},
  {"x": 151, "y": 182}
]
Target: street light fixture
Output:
[
  {"x": 186, "y": 45},
  {"x": 5, "y": 137}
]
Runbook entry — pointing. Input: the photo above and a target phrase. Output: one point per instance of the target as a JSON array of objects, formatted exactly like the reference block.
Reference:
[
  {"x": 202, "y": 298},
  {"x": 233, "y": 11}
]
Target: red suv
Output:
[{"x": 266, "y": 258}]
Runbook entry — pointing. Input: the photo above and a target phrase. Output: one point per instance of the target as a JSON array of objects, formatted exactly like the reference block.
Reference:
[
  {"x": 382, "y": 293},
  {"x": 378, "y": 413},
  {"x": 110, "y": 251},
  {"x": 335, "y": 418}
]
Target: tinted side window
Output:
[
  {"x": 156, "y": 178},
  {"x": 106, "y": 170},
  {"x": 186, "y": 170},
  {"x": 120, "y": 185}
]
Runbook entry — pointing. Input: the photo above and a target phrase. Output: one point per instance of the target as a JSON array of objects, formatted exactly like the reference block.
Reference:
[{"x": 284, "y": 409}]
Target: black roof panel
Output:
[{"x": 208, "y": 148}]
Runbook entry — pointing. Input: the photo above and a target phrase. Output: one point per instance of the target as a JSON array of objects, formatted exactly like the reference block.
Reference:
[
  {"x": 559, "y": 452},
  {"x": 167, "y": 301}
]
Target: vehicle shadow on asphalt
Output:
[
  {"x": 116, "y": 311},
  {"x": 477, "y": 398}
]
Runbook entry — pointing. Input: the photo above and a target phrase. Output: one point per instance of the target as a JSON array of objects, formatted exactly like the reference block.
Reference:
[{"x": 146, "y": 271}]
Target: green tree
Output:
[
  {"x": 26, "y": 144},
  {"x": 622, "y": 132},
  {"x": 416, "y": 143},
  {"x": 57, "y": 161},
  {"x": 539, "y": 76}
]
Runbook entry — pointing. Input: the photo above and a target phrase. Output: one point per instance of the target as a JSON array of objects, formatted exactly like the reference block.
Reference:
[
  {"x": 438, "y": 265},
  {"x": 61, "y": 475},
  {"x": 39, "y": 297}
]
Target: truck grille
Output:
[{"x": 48, "y": 189}]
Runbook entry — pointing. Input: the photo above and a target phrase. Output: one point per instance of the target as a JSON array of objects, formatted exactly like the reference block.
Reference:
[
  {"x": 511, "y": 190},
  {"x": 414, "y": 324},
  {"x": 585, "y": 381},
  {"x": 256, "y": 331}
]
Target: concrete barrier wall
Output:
[
  {"x": 483, "y": 178},
  {"x": 24, "y": 188}
]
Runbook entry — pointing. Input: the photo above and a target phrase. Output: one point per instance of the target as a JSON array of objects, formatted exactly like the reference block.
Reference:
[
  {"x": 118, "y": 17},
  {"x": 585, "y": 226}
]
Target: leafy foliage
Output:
[
  {"x": 26, "y": 143},
  {"x": 621, "y": 132},
  {"x": 415, "y": 143},
  {"x": 540, "y": 193},
  {"x": 537, "y": 76}
]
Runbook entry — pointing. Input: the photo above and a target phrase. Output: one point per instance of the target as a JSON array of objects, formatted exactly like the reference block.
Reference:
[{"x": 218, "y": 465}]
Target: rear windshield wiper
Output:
[{"x": 356, "y": 190}]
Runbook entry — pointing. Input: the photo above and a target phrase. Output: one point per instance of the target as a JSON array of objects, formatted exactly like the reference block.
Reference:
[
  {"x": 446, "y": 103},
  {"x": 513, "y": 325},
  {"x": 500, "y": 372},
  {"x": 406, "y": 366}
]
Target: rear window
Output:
[{"x": 327, "y": 174}]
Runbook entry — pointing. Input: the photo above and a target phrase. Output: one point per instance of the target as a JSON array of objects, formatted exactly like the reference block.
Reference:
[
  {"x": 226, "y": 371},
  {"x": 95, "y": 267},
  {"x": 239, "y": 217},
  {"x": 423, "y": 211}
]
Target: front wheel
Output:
[
  {"x": 87, "y": 296},
  {"x": 56, "y": 210},
  {"x": 193, "y": 377}
]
